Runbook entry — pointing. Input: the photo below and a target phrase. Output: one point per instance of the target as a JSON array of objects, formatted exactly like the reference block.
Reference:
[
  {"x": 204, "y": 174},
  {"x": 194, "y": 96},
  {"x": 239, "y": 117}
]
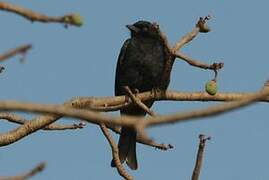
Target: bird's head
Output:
[{"x": 144, "y": 28}]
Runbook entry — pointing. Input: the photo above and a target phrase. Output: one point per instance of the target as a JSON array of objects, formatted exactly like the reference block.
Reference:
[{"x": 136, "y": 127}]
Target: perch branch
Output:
[
  {"x": 97, "y": 118},
  {"x": 207, "y": 112},
  {"x": 138, "y": 102},
  {"x": 117, "y": 102}
]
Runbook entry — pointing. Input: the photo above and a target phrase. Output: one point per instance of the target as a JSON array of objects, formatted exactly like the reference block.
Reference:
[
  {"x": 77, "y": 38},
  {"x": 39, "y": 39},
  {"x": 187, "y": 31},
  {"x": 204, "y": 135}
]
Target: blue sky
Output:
[{"x": 81, "y": 62}]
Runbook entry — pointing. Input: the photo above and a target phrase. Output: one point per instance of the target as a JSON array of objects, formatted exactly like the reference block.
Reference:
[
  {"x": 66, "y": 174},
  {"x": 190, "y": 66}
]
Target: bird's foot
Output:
[
  {"x": 136, "y": 91},
  {"x": 156, "y": 92}
]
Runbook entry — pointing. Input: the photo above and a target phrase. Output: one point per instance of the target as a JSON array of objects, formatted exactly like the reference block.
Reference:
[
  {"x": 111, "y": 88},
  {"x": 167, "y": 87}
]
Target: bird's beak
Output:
[{"x": 132, "y": 28}]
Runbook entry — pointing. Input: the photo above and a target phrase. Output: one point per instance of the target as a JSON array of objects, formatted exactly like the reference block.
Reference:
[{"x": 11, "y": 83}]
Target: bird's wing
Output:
[{"x": 119, "y": 66}]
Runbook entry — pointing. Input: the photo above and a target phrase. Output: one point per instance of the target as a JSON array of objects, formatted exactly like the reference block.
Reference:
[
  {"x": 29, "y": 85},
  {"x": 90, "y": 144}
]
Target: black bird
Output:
[{"x": 140, "y": 66}]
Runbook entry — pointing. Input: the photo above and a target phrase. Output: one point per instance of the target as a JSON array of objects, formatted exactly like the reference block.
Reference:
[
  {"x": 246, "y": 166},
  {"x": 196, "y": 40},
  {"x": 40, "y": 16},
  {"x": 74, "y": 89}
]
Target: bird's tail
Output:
[
  {"x": 127, "y": 148},
  {"x": 127, "y": 141}
]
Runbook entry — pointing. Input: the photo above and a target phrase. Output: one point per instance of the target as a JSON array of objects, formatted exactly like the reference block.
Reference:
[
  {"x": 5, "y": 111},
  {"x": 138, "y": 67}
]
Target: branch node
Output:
[
  {"x": 203, "y": 138},
  {"x": 165, "y": 147},
  {"x": 138, "y": 102},
  {"x": 202, "y": 24}
]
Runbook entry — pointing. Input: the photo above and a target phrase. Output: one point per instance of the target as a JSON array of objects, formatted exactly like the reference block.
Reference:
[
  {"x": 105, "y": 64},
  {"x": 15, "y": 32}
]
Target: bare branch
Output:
[
  {"x": 171, "y": 53},
  {"x": 45, "y": 121},
  {"x": 190, "y": 61},
  {"x": 27, "y": 128},
  {"x": 118, "y": 102},
  {"x": 97, "y": 118},
  {"x": 186, "y": 39},
  {"x": 200, "y": 156},
  {"x": 39, "y": 168},
  {"x": 115, "y": 153},
  {"x": 207, "y": 112},
  {"x": 20, "y": 120},
  {"x": 141, "y": 140},
  {"x": 201, "y": 26},
  {"x": 138, "y": 102},
  {"x": 19, "y": 50},
  {"x": 71, "y": 19},
  {"x": 52, "y": 127},
  {"x": 30, "y": 127}
]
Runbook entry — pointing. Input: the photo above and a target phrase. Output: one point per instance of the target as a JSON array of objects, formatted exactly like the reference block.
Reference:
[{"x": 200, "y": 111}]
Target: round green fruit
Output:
[
  {"x": 211, "y": 87},
  {"x": 77, "y": 20}
]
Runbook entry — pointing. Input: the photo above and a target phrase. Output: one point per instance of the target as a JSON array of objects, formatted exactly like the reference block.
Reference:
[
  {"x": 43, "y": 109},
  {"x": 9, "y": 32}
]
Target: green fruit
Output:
[
  {"x": 211, "y": 87},
  {"x": 77, "y": 19}
]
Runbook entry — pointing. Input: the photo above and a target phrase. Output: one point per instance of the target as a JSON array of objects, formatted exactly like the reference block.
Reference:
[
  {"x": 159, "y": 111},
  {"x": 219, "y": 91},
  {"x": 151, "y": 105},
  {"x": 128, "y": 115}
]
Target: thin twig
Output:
[
  {"x": 39, "y": 168},
  {"x": 71, "y": 19},
  {"x": 141, "y": 140},
  {"x": 171, "y": 53},
  {"x": 199, "y": 157},
  {"x": 52, "y": 127},
  {"x": 115, "y": 153},
  {"x": 138, "y": 102},
  {"x": 186, "y": 39},
  {"x": 201, "y": 26},
  {"x": 18, "y": 50},
  {"x": 196, "y": 63},
  {"x": 20, "y": 120}
]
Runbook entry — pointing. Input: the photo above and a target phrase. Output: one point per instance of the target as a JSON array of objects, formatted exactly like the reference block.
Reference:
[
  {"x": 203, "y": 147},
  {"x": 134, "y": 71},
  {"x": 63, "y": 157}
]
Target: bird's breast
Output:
[{"x": 146, "y": 59}]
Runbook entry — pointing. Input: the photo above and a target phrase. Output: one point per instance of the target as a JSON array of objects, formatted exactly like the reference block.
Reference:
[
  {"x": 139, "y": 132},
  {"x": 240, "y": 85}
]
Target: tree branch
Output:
[
  {"x": 104, "y": 104},
  {"x": 39, "y": 168},
  {"x": 200, "y": 156},
  {"x": 18, "y": 50},
  {"x": 97, "y": 118},
  {"x": 141, "y": 140},
  {"x": 138, "y": 102},
  {"x": 207, "y": 112},
  {"x": 115, "y": 153},
  {"x": 71, "y": 19},
  {"x": 20, "y": 120},
  {"x": 186, "y": 39},
  {"x": 196, "y": 63},
  {"x": 51, "y": 127},
  {"x": 172, "y": 53}
]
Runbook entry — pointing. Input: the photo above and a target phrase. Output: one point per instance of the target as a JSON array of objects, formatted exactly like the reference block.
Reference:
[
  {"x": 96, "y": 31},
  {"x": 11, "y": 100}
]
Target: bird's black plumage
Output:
[{"x": 140, "y": 66}]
